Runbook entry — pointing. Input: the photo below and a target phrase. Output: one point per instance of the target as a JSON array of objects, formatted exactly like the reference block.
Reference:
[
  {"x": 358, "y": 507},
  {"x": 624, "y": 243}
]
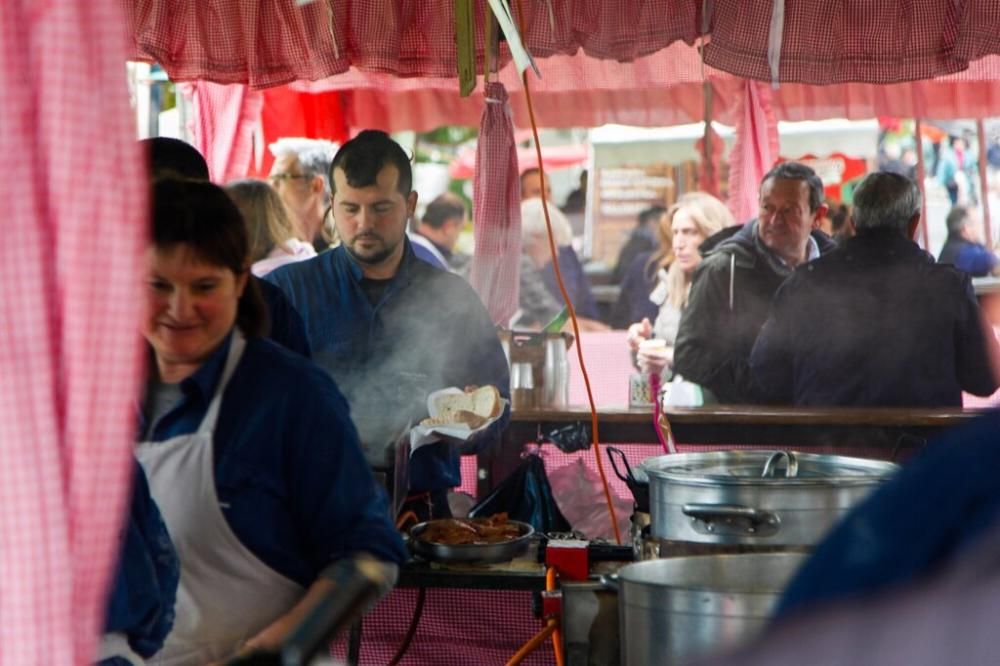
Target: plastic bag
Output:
[
  {"x": 579, "y": 493},
  {"x": 526, "y": 496}
]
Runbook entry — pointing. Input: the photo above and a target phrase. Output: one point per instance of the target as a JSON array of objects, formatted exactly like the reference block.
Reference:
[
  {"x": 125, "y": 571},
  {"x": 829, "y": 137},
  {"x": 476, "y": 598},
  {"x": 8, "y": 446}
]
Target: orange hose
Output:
[
  {"x": 532, "y": 644},
  {"x": 566, "y": 298},
  {"x": 557, "y": 646}
]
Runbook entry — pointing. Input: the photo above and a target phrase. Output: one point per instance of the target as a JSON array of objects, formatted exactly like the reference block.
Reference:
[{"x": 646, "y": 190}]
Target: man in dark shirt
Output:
[
  {"x": 875, "y": 322},
  {"x": 387, "y": 326}
]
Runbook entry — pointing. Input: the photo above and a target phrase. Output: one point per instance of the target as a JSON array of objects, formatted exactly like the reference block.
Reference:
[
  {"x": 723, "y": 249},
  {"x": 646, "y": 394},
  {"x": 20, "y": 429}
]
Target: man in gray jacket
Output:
[{"x": 742, "y": 268}]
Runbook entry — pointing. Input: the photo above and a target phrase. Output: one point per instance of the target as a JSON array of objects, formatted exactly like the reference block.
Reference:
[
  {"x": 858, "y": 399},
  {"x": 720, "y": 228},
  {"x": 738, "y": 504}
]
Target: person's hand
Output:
[
  {"x": 655, "y": 360},
  {"x": 639, "y": 332}
]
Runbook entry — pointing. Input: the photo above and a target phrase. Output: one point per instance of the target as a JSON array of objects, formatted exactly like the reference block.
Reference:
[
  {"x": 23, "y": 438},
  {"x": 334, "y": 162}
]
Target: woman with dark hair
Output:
[{"x": 249, "y": 450}]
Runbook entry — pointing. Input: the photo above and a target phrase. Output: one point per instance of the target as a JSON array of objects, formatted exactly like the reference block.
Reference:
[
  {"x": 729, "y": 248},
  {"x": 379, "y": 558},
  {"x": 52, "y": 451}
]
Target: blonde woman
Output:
[
  {"x": 682, "y": 230},
  {"x": 273, "y": 240}
]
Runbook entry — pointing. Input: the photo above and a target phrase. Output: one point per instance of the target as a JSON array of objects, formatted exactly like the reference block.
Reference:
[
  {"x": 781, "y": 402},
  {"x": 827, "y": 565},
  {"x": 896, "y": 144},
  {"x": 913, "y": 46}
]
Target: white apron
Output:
[{"x": 226, "y": 594}]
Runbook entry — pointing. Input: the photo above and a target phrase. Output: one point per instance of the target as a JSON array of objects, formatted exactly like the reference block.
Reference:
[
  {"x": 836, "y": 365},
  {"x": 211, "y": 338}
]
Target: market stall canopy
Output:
[
  {"x": 265, "y": 43},
  {"x": 617, "y": 144},
  {"x": 554, "y": 157},
  {"x": 659, "y": 90}
]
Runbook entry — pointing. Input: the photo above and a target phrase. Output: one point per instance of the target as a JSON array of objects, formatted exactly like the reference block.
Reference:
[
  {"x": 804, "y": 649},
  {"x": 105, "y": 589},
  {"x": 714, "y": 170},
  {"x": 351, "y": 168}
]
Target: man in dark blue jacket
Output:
[
  {"x": 388, "y": 327},
  {"x": 732, "y": 287},
  {"x": 875, "y": 322},
  {"x": 963, "y": 249}
]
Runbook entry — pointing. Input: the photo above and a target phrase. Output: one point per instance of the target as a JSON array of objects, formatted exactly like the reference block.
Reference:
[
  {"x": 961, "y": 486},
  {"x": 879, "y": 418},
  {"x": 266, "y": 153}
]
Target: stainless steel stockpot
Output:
[
  {"x": 756, "y": 497},
  {"x": 673, "y": 609}
]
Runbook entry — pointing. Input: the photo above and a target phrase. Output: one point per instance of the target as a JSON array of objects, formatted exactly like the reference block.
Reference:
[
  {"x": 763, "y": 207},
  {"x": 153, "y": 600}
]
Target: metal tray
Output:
[{"x": 486, "y": 553}]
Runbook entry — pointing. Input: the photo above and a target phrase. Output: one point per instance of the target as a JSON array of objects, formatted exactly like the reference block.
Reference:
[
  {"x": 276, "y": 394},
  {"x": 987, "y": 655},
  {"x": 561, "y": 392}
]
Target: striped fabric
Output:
[
  {"x": 497, "y": 208},
  {"x": 74, "y": 226},
  {"x": 754, "y": 151}
]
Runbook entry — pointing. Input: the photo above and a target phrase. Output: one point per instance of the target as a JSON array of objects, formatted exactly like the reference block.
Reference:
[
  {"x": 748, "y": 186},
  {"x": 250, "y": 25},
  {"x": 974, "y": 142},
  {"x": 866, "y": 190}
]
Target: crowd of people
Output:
[{"x": 297, "y": 325}]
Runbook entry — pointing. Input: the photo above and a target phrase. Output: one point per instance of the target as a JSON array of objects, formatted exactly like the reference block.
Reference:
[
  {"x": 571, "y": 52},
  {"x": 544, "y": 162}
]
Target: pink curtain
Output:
[
  {"x": 222, "y": 129},
  {"x": 74, "y": 227},
  {"x": 497, "y": 208},
  {"x": 754, "y": 151}
]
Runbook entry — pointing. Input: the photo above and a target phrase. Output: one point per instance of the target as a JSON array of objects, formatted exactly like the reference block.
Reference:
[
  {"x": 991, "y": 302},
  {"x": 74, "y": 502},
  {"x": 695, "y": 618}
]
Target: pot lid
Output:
[{"x": 770, "y": 467}]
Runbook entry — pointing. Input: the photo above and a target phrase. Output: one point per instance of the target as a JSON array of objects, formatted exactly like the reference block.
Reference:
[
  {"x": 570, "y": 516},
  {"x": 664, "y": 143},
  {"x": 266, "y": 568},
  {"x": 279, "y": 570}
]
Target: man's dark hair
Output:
[
  {"x": 798, "y": 171},
  {"x": 168, "y": 156},
  {"x": 957, "y": 218},
  {"x": 651, "y": 214},
  {"x": 445, "y": 207},
  {"x": 201, "y": 216},
  {"x": 364, "y": 156}
]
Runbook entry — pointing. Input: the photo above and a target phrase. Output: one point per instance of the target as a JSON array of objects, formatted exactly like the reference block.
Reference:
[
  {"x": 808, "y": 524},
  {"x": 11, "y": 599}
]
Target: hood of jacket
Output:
[{"x": 741, "y": 242}]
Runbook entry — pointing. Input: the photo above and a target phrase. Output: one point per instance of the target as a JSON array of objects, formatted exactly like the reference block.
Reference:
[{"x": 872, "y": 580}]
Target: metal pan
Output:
[{"x": 486, "y": 553}]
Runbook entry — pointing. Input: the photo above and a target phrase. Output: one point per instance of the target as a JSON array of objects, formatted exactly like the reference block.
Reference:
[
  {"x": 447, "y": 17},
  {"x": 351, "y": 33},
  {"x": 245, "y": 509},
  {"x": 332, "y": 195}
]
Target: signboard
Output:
[{"x": 619, "y": 194}]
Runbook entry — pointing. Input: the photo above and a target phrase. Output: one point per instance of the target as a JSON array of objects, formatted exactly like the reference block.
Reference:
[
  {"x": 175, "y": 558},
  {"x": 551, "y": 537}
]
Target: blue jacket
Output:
[
  {"x": 875, "y": 323},
  {"x": 289, "y": 472},
  {"x": 287, "y": 328},
  {"x": 141, "y": 604},
  {"x": 973, "y": 258},
  {"x": 428, "y": 331},
  {"x": 937, "y": 505}
]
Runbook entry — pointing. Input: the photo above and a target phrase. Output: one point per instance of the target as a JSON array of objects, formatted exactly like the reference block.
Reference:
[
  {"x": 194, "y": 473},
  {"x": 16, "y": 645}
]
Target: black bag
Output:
[{"x": 526, "y": 496}]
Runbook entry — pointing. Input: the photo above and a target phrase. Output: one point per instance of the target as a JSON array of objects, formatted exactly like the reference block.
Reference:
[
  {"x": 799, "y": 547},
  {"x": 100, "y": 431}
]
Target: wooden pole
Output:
[
  {"x": 984, "y": 184},
  {"x": 925, "y": 233}
]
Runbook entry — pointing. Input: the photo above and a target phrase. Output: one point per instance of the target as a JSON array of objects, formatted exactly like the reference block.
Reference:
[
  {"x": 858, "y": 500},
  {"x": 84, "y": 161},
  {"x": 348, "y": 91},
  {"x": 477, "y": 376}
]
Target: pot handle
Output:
[
  {"x": 791, "y": 464},
  {"x": 610, "y": 582},
  {"x": 733, "y": 519},
  {"x": 628, "y": 476}
]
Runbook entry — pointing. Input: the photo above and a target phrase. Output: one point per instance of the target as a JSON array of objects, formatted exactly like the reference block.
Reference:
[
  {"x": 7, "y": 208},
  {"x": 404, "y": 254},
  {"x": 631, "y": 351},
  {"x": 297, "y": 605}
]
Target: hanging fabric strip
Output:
[
  {"x": 774, "y": 39},
  {"x": 518, "y": 51},
  {"x": 465, "y": 45}
]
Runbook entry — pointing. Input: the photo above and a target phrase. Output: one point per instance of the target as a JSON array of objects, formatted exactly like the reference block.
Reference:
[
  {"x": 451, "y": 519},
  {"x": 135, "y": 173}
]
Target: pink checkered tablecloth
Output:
[{"x": 74, "y": 223}]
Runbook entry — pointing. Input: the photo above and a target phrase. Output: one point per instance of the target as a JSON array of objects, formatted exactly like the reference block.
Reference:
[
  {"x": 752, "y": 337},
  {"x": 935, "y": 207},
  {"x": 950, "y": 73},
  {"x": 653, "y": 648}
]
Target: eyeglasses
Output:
[{"x": 278, "y": 177}]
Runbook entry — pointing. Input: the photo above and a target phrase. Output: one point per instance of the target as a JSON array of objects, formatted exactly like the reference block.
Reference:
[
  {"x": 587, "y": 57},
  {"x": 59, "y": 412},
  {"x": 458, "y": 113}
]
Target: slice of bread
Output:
[{"x": 473, "y": 408}]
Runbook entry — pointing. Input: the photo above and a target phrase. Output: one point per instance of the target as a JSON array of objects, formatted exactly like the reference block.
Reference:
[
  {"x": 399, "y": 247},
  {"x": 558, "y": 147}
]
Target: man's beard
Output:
[{"x": 371, "y": 259}]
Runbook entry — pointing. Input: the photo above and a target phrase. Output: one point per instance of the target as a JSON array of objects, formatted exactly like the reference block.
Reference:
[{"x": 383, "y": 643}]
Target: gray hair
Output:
[
  {"x": 886, "y": 200},
  {"x": 533, "y": 222},
  {"x": 314, "y": 155}
]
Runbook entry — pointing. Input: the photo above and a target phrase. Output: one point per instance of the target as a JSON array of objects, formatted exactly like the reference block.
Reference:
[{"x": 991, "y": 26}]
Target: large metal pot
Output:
[
  {"x": 676, "y": 608},
  {"x": 755, "y": 497}
]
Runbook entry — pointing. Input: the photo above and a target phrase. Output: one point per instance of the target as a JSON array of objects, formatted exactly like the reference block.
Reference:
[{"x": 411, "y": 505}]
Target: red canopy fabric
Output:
[
  {"x": 74, "y": 229},
  {"x": 662, "y": 89},
  {"x": 264, "y": 43},
  {"x": 222, "y": 129},
  {"x": 754, "y": 151},
  {"x": 555, "y": 157}
]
